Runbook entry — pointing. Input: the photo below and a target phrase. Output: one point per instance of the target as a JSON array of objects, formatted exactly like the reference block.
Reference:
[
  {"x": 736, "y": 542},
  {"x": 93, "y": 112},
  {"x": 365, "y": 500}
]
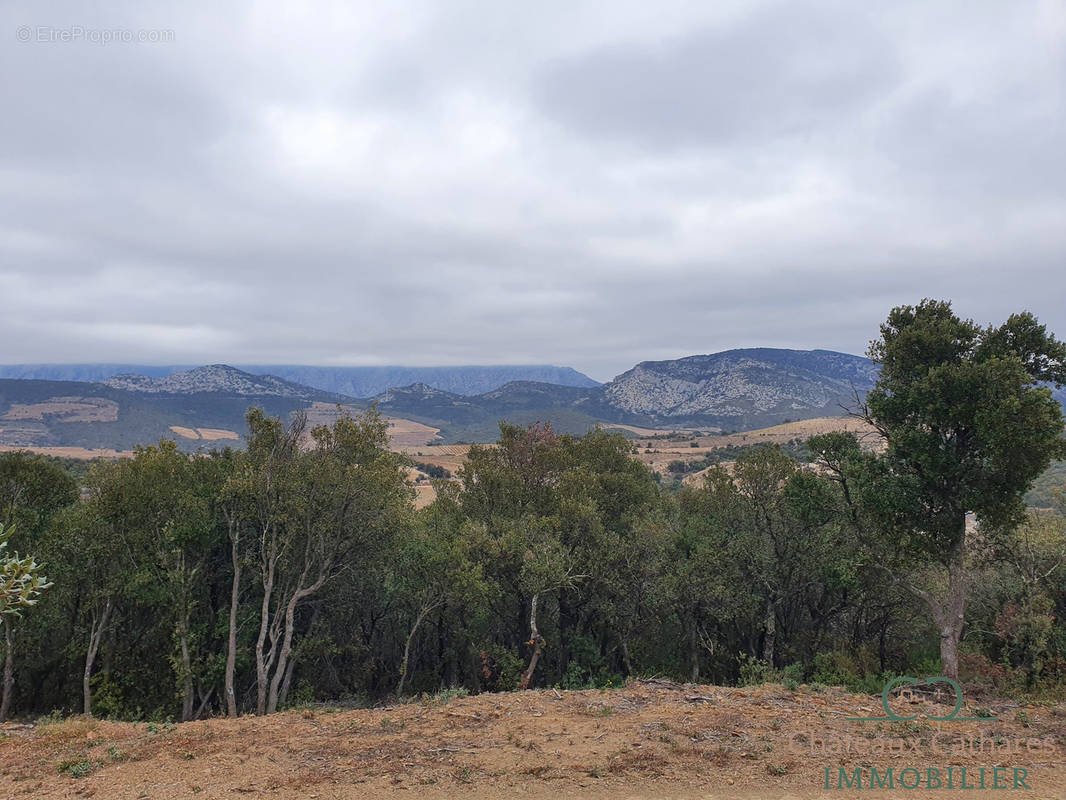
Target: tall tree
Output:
[
  {"x": 316, "y": 511},
  {"x": 21, "y": 584},
  {"x": 32, "y": 489},
  {"x": 968, "y": 424}
]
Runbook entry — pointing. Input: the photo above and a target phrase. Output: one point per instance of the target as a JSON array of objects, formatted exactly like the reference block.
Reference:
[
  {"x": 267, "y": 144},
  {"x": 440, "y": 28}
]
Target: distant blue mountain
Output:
[
  {"x": 350, "y": 381},
  {"x": 467, "y": 381}
]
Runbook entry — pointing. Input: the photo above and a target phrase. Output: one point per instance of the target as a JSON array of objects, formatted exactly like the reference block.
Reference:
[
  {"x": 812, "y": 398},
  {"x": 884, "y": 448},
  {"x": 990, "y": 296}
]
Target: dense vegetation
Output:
[{"x": 297, "y": 570}]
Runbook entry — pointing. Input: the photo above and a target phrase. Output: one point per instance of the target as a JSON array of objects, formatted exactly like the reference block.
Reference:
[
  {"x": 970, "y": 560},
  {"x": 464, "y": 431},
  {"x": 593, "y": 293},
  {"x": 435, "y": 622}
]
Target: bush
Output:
[
  {"x": 792, "y": 676},
  {"x": 501, "y": 670},
  {"x": 753, "y": 671}
]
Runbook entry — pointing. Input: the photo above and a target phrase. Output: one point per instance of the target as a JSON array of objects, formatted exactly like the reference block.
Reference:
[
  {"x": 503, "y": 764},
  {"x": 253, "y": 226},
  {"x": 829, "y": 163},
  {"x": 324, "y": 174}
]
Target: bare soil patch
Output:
[{"x": 651, "y": 739}]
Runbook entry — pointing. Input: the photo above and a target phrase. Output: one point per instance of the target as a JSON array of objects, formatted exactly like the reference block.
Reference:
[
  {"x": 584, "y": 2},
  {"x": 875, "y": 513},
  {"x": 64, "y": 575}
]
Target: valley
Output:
[{"x": 727, "y": 392}]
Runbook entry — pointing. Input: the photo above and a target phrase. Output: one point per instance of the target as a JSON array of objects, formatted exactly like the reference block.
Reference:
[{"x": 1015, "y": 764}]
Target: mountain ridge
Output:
[
  {"x": 740, "y": 383},
  {"x": 217, "y": 378},
  {"x": 730, "y": 390},
  {"x": 360, "y": 382},
  {"x": 734, "y": 389}
]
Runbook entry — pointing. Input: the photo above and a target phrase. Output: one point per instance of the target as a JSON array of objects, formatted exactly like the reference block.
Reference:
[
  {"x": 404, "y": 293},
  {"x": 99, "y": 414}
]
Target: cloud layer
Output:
[{"x": 564, "y": 182}]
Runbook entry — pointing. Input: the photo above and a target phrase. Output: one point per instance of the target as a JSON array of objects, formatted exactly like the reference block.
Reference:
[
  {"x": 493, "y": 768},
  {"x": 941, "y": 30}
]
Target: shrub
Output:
[{"x": 753, "y": 671}]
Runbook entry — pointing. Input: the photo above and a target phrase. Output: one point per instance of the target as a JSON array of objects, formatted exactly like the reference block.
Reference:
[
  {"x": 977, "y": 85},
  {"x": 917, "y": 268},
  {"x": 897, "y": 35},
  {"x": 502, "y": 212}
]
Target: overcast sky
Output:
[{"x": 589, "y": 184}]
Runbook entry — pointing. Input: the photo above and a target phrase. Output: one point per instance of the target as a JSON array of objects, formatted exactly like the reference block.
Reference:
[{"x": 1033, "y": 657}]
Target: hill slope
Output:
[
  {"x": 736, "y": 389},
  {"x": 137, "y": 409},
  {"x": 218, "y": 378},
  {"x": 741, "y": 388},
  {"x": 474, "y": 380}
]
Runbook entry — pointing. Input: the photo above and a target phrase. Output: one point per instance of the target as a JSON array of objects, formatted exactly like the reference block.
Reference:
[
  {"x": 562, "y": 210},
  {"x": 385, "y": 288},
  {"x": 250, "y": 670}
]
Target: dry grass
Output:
[
  {"x": 214, "y": 434},
  {"x": 657, "y": 452},
  {"x": 408, "y": 433},
  {"x": 649, "y": 739},
  {"x": 424, "y": 495}
]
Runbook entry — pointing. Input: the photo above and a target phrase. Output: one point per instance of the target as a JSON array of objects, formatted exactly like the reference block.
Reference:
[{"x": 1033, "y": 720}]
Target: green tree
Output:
[
  {"x": 32, "y": 489},
  {"x": 1032, "y": 559},
  {"x": 967, "y": 425},
  {"x": 315, "y": 513},
  {"x": 769, "y": 555},
  {"x": 159, "y": 505},
  {"x": 21, "y": 585},
  {"x": 431, "y": 569},
  {"x": 707, "y": 585}
]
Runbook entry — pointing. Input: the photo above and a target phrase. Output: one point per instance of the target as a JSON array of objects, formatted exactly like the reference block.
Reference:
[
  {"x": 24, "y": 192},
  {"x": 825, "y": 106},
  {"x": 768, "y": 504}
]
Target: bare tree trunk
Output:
[
  {"x": 694, "y": 654},
  {"x": 286, "y": 643},
  {"x": 952, "y": 611},
  {"x": 536, "y": 640},
  {"x": 283, "y": 657},
  {"x": 261, "y": 666},
  {"x": 949, "y": 612},
  {"x": 234, "y": 596},
  {"x": 407, "y": 647},
  {"x": 188, "y": 696},
  {"x": 205, "y": 698},
  {"x": 770, "y": 626},
  {"x": 625, "y": 657},
  {"x": 286, "y": 682},
  {"x": 96, "y": 634},
  {"x": 9, "y": 671}
]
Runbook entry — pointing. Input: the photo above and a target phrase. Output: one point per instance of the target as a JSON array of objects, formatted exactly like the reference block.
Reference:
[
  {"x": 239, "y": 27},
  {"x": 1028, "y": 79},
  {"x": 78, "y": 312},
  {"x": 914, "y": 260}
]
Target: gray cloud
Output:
[
  {"x": 485, "y": 183},
  {"x": 777, "y": 74}
]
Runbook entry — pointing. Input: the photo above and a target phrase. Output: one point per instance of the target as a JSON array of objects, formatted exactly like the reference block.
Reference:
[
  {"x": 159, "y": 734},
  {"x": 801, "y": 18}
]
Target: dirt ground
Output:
[{"x": 651, "y": 739}]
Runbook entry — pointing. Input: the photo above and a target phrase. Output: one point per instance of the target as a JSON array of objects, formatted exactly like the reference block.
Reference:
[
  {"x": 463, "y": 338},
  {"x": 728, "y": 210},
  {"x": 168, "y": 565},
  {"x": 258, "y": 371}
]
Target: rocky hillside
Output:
[
  {"x": 214, "y": 378},
  {"x": 743, "y": 387},
  {"x": 733, "y": 390},
  {"x": 193, "y": 407}
]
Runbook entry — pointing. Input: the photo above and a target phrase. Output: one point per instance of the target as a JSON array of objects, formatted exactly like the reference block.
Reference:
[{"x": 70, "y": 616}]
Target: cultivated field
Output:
[
  {"x": 207, "y": 434},
  {"x": 651, "y": 739},
  {"x": 214, "y": 434},
  {"x": 66, "y": 409}
]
